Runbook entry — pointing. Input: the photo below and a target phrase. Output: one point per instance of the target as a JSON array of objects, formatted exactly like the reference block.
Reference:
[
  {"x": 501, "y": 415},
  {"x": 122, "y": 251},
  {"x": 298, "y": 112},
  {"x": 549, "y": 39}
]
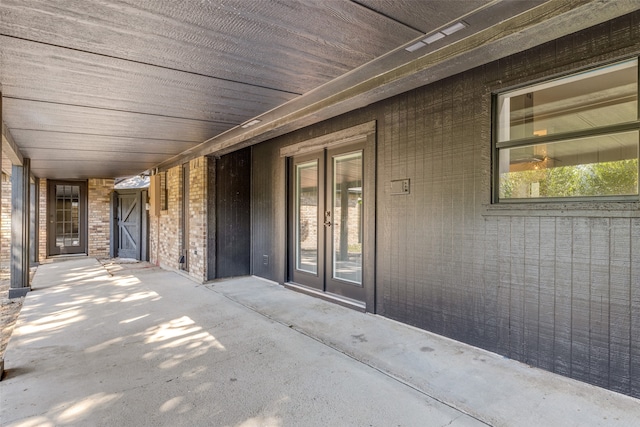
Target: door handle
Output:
[{"x": 327, "y": 219}]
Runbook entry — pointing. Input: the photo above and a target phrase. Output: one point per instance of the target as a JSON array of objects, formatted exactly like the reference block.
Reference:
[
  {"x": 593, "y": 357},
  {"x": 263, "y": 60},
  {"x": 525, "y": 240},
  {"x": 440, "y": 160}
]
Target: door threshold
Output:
[
  {"x": 62, "y": 256},
  {"x": 328, "y": 296}
]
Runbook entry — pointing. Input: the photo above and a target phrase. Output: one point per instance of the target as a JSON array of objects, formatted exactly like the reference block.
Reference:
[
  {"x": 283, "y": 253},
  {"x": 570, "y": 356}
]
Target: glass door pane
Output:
[
  {"x": 328, "y": 215},
  {"x": 67, "y": 215},
  {"x": 306, "y": 194},
  {"x": 347, "y": 217}
]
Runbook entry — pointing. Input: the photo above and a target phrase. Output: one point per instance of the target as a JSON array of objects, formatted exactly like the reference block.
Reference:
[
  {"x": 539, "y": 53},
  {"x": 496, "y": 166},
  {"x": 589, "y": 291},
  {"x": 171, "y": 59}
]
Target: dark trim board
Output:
[
  {"x": 212, "y": 197},
  {"x": 185, "y": 217}
]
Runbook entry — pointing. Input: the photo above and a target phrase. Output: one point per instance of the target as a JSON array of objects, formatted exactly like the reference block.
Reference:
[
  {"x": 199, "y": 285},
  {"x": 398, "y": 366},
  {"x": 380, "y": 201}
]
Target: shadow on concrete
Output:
[
  {"x": 147, "y": 347},
  {"x": 136, "y": 345}
]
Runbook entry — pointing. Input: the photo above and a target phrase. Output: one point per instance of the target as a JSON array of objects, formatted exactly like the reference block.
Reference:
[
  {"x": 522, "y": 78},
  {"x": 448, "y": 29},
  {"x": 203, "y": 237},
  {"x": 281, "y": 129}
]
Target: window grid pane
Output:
[
  {"x": 587, "y": 167},
  {"x": 588, "y": 132},
  {"x": 347, "y": 216},
  {"x": 594, "y": 99},
  {"x": 67, "y": 215}
]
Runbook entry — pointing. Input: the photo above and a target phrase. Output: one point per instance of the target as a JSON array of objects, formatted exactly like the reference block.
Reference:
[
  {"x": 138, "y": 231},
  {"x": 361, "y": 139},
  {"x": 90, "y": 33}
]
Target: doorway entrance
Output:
[
  {"x": 233, "y": 214},
  {"x": 331, "y": 226},
  {"x": 67, "y": 212},
  {"x": 131, "y": 229}
]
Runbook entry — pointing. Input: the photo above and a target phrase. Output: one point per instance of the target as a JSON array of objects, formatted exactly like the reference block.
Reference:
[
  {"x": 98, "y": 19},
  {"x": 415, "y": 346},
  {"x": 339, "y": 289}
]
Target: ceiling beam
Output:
[{"x": 9, "y": 147}]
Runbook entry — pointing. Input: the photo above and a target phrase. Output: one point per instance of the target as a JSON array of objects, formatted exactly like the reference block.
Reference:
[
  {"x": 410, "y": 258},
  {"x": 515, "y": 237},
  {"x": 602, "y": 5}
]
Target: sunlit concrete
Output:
[{"x": 147, "y": 347}]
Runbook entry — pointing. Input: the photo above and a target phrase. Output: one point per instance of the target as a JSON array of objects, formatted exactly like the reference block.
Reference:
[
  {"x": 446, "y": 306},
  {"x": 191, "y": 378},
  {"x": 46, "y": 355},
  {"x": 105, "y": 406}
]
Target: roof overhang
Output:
[
  {"x": 111, "y": 89},
  {"x": 380, "y": 79}
]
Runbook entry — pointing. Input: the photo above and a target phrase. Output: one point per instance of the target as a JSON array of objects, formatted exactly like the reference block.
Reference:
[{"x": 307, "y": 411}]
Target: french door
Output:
[
  {"x": 67, "y": 211},
  {"x": 328, "y": 201}
]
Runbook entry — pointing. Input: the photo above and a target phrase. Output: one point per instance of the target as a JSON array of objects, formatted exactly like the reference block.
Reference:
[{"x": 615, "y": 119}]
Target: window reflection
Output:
[{"x": 307, "y": 217}]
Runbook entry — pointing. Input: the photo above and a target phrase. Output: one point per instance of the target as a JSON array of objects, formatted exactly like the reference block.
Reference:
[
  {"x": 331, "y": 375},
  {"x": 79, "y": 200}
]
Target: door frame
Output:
[
  {"x": 366, "y": 134},
  {"x": 184, "y": 217},
  {"x": 83, "y": 217}
]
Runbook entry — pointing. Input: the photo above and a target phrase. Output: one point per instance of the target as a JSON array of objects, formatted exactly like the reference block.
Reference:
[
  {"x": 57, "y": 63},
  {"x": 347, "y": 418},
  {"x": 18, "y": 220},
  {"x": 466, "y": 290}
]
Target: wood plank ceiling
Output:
[{"x": 100, "y": 88}]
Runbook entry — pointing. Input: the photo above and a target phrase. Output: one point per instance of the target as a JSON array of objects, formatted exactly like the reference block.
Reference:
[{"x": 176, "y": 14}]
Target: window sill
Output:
[{"x": 571, "y": 209}]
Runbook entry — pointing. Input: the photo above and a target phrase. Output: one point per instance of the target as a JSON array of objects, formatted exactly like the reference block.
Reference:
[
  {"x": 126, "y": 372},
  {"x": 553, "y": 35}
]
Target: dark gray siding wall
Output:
[
  {"x": 553, "y": 285},
  {"x": 233, "y": 214},
  {"x": 268, "y": 212}
]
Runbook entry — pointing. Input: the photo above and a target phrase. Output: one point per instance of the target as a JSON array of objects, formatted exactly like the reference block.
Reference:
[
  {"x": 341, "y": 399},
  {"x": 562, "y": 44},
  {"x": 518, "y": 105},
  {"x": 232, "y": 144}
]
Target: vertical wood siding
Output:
[
  {"x": 268, "y": 213},
  {"x": 557, "y": 289},
  {"x": 577, "y": 313},
  {"x": 233, "y": 224}
]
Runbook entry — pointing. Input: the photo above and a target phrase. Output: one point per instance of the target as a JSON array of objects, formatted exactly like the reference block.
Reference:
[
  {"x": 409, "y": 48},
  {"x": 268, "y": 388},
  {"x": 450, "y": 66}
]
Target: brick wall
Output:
[
  {"x": 165, "y": 230},
  {"x": 5, "y": 231},
  {"x": 99, "y": 204},
  {"x": 198, "y": 219},
  {"x": 99, "y": 195},
  {"x": 165, "y": 238}
]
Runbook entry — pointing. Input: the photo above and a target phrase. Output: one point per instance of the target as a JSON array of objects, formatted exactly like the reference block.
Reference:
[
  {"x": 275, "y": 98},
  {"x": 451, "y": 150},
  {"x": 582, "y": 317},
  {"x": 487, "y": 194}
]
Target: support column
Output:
[
  {"x": 20, "y": 224},
  {"x": 34, "y": 237},
  {"x": 1, "y": 126}
]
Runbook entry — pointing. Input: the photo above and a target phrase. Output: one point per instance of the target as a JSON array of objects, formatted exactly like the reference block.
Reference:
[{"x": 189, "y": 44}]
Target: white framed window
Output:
[{"x": 575, "y": 137}]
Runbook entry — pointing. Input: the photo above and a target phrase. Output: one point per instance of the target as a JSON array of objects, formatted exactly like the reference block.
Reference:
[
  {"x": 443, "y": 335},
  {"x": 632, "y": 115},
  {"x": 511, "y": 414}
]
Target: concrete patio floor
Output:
[{"x": 137, "y": 345}]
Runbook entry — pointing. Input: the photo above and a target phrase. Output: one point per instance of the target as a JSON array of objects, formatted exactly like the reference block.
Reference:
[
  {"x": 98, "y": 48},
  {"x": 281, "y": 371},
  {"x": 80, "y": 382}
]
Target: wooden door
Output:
[
  {"x": 67, "y": 214},
  {"x": 129, "y": 223}
]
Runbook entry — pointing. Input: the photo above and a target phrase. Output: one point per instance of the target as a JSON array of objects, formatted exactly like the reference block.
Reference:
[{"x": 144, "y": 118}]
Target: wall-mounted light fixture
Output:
[
  {"x": 434, "y": 38},
  {"x": 439, "y": 35},
  {"x": 414, "y": 47},
  {"x": 454, "y": 28},
  {"x": 250, "y": 123}
]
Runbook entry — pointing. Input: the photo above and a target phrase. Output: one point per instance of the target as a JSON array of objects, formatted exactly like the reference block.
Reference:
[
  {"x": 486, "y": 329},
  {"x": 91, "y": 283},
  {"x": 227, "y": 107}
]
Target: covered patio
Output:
[
  {"x": 128, "y": 344},
  {"x": 469, "y": 168}
]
